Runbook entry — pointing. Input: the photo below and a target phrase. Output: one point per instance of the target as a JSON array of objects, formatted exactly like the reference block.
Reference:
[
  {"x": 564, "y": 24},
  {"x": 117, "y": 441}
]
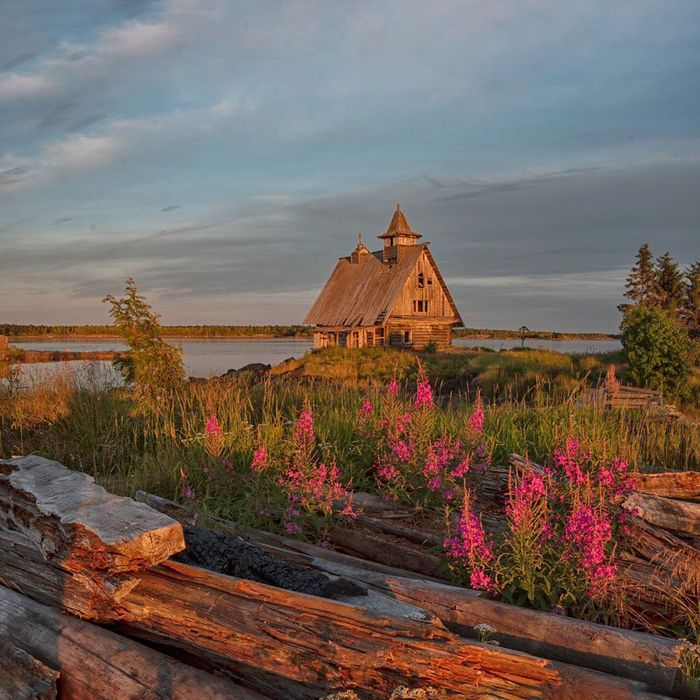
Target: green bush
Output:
[{"x": 656, "y": 349}]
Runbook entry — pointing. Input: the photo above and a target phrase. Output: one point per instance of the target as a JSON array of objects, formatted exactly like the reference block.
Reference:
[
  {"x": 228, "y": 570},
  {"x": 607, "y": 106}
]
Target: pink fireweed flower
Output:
[
  {"x": 366, "y": 409},
  {"x": 212, "y": 427},
  {"x": 315, "y": 489},
  {"x": 403, "y": 423},
  {"x": 568, "y": 461},
  {"x": 424, "y": 394},
  {"x": 393, "y": 389},
  {"x": 590, "y": 533},
  {"x": 476, "y": 421},
  {"x": 213, "y": 436},
  {"x": 615, "y": 477},
  {"x": 439, "y": 455},
  {"x": 292, "y": 528},
  {"x": 401, "y": 450},
  {"x": 386, "y": 471},
  {"x": 479, "y": 580},
  {"x": 304, "y": 430},
  {"x": 434, "y": 483},
  {"x": 259, "y": 462},
  {"x": 471, "y": 548},
  {"x": 524, "y": 498},
  {"x": 462, "y": 467}
]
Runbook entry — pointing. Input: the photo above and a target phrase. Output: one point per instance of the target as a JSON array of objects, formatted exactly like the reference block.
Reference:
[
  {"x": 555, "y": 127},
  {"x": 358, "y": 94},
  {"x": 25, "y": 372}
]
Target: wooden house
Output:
[{"x": 395, "y": 296}]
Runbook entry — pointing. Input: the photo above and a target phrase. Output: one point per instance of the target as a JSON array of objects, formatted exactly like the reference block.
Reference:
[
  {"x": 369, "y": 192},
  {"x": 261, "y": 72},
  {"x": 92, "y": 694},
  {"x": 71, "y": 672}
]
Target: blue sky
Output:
[{"x": 226, "y": 153}]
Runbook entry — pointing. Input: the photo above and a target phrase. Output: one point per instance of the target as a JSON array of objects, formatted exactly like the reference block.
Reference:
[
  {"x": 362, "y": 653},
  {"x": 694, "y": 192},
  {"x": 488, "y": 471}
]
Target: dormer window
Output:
[{"x": 421, "y": 280}]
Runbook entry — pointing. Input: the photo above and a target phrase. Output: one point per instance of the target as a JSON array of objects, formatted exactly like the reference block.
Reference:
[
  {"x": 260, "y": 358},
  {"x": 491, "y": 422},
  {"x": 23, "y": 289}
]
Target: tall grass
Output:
[{"x": 102, "y": 431}]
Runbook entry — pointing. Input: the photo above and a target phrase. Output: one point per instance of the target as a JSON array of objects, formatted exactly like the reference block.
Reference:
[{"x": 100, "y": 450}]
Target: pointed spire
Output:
[{"x": 399, "y": 226}]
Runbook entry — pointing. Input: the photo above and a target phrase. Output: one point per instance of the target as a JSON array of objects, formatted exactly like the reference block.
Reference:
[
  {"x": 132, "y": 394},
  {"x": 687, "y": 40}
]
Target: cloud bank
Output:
[{"x": 226, "y": 154}]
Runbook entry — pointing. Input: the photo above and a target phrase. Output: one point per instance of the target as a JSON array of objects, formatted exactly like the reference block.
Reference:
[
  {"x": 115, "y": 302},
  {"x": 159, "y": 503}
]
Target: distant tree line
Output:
[
  {"x": 506, "y": 334},
  {"x": 201, "y": 331}
]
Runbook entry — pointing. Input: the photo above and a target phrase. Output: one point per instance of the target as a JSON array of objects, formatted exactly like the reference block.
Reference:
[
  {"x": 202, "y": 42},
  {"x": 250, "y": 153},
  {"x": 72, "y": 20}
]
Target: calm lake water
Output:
[
  {"x": 207, "y": 358},
  {"x": 203, "y": 358},
  {"x": 584, "y": 347}
]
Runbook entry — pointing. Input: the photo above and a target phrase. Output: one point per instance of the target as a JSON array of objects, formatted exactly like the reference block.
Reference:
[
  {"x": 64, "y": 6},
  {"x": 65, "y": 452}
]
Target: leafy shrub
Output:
[{"x": 656, "y": 349}]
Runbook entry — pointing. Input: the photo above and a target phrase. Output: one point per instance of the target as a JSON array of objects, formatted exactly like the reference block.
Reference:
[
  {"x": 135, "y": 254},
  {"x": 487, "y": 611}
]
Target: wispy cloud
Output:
[{"x": 216, "y": 148}]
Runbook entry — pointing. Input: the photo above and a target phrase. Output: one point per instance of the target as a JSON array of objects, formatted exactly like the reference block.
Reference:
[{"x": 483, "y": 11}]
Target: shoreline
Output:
[
  {"x": 30, "y": 357},
  {"x": 554, "y": 337}
]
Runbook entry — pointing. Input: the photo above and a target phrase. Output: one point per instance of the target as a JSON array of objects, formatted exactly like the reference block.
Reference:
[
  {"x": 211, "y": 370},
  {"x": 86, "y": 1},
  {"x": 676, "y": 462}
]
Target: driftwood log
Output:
[
  {"x": 632, "y": 655},
  {"x": 679, "y": 516},
  {"x": 296, "y": 646},
  {"x": 96, "y": 663},
  {"x": 100, "y": 541},
  {"x": 683, "y": 485}
]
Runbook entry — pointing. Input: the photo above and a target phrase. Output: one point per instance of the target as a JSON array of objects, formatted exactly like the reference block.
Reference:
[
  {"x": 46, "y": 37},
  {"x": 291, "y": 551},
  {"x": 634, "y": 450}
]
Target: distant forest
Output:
[
  {"x": 31, "y": 329},
  {"x": 295, "y": 331}
]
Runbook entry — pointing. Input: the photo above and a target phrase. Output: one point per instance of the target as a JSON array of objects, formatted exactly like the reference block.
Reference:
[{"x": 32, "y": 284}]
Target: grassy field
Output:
[{"x": 530, "y": 406}]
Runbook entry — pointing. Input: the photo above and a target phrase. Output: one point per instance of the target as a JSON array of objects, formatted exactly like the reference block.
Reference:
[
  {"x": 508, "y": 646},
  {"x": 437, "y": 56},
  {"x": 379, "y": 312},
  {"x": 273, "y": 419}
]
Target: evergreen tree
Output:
[
  {"x": 691, "y": 307},
  {"x": 671, "y": 285},
  {"x": 642, "y": 287}
]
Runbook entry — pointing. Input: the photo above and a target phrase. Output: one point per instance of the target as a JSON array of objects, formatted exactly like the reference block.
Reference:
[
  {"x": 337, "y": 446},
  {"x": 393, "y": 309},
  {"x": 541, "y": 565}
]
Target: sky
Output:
[{"x": 226, "y": 153}]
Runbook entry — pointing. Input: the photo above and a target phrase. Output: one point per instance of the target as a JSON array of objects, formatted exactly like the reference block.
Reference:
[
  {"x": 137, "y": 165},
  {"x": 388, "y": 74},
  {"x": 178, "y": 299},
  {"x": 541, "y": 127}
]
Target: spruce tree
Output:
[
  {"x": 671, "y": 285},
  {"x": 691, "y": 307},
  {"x": 642, "y": 287}
]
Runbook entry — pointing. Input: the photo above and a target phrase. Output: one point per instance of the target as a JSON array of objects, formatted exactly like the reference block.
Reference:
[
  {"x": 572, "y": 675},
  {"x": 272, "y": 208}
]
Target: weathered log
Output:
[
  {"x": 680, "y": 516},
  {"x": 297, "y": 646},
  {"x": 358, "y": 542},
  {"x": 23, "y": 677},
  {"x": 393, "y": 528},
  {"x": 101, "y": 540},
  {"x": 634, "y": 655},
  {"x": 96, "y": 663},
  {"x": 664, "y": 550},
  {"x": 682, "y": 485},
  {"x": 524, "y": 463},
  {"x": 614, "y": 651}
]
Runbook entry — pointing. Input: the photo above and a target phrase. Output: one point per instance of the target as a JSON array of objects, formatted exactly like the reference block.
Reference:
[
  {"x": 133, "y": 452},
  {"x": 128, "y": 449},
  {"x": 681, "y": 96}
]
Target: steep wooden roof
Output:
[
  {"x": 364, "y": 293},
  {"x": 358, "y": 294}
]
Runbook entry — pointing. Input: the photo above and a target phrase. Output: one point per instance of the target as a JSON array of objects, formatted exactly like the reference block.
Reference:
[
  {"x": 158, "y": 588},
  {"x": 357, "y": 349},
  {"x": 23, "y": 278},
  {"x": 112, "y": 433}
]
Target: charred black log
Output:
[{"x": 232, "y": 556}]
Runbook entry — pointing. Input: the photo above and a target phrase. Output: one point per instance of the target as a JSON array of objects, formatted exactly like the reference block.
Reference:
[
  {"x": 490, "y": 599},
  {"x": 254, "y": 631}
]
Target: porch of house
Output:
[
  {"x": 349, "y": 337},
  {"x": 415, "y": 334}
]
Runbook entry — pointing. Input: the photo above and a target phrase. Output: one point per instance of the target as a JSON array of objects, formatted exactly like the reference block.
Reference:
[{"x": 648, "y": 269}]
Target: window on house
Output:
[
  {"x": 421, "y": 280},
  {"x": 420, "y": 306},
  {"x": 430, "y": 281},
  {"x": 407, "y": 336}
]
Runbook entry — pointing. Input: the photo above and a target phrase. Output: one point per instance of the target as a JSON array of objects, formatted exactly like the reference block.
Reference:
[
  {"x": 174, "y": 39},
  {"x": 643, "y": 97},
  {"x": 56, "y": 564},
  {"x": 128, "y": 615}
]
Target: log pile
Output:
[{"x": 271, "y": 617}]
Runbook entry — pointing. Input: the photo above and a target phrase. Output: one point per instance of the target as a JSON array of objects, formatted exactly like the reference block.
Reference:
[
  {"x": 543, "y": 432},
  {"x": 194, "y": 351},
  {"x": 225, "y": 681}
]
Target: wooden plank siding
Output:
[{"x": 432, "y": 291}]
